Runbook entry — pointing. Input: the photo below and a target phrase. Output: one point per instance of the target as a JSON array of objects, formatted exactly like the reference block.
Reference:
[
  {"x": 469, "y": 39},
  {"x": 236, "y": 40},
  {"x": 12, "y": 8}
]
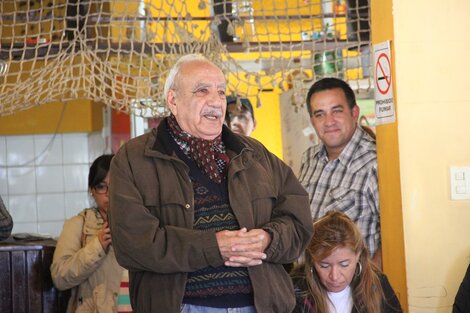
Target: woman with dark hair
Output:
[
  {"x": 84, "y": 257},
  {"x": 338, "y": 275}
]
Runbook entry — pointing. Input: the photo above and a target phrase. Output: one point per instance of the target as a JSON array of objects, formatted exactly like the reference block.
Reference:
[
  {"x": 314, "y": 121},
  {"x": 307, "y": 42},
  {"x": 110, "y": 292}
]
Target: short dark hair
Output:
[
  {"x": 245, "y": 103},
  {"x": 328, "y": 84},
  {"x": 99, "y": 169}
]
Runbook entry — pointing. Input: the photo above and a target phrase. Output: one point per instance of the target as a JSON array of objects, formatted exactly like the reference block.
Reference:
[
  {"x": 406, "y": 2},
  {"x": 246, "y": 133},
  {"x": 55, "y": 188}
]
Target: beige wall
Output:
[{"x": 432, "y": 42}]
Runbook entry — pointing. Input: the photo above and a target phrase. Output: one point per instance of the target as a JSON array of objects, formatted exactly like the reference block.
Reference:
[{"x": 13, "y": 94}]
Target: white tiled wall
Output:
[{"x": 43, "y": 178}]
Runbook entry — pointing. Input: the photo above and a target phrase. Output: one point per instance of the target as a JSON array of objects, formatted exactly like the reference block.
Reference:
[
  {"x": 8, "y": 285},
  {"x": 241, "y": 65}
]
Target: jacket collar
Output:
[{"x": 160, "y": 141}]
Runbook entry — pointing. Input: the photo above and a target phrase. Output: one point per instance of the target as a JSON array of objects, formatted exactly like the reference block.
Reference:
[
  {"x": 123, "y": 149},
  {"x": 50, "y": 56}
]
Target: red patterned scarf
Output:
[{"x": 209, "y": 155}]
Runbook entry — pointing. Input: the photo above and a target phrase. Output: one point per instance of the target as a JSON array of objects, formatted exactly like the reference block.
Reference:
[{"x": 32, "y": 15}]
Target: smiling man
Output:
[
  {"x": 203, "y": 218},
  {"x": 341, "y": 172}
]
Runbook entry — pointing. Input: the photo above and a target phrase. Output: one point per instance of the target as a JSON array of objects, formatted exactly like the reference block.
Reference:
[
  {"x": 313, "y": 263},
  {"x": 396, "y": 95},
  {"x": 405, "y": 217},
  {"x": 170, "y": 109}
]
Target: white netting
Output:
[{"x": 119, "y": 52}]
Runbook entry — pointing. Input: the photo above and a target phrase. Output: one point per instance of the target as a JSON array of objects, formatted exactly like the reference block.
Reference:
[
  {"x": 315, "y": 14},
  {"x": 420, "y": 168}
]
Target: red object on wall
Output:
[{"x": 120, "y": 129}]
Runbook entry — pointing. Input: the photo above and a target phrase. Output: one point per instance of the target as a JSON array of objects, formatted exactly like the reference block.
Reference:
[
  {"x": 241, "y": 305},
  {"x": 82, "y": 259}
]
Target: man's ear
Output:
[
  {"x": 355, "y": 112},
  {"x": 171, "y": 101}
]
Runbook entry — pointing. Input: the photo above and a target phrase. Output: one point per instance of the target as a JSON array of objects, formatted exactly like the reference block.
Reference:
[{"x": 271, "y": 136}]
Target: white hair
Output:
[{"x": 174, "y": 71}]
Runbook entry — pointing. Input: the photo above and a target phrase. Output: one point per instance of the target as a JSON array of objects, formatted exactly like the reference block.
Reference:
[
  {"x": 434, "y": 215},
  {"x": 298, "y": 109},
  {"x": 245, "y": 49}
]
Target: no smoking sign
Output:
[{"x": 383, "y": 91}]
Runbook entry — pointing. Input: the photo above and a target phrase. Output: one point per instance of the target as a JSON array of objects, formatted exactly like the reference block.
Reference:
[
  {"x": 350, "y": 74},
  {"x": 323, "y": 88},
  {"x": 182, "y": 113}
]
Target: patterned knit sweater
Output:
[{"x": 223, "y": 286}]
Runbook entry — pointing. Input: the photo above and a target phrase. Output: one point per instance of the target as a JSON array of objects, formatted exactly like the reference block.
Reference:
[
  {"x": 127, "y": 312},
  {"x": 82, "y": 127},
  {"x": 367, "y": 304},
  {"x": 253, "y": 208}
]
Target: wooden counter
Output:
[{"x": 25, "y": 278}]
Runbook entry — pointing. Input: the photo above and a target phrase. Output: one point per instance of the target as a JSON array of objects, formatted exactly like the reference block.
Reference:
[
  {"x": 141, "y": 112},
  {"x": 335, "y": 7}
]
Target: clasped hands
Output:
[{"x": 241, "y": 248}]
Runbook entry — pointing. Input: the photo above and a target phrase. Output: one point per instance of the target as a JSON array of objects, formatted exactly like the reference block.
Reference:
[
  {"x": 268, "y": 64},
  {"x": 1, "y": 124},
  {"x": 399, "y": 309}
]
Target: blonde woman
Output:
[{"x": 338, "y": 275}]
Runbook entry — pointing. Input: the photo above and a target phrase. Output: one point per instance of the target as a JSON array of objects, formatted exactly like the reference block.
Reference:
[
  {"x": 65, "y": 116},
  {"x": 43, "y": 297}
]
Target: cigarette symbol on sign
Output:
[{"x": 382, "y": 74}]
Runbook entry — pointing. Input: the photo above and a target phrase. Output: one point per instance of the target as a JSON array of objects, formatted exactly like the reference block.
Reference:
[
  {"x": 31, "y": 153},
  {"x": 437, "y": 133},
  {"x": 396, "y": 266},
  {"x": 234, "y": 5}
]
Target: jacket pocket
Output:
[
  {"x": 174, "y": 213},
  {"x": 105, "y": 299},
  {"x": 263, "y": 200}
]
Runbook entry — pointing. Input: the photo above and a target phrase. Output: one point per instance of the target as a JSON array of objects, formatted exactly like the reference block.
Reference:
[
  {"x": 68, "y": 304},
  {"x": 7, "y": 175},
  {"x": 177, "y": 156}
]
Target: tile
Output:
[
  {"x": 76, "y": 177},
  {"x": 3, "y": 182},
  {"x": 52, "y": 229},
  {"x": 23, "y": 208},
  {"x": 6, "y": 201},
  {"x": 21, "y": 180},
  {"x": 20, "y": 227},
  {"x": 51, "y": 207},
  {"x": 48, "y": 149},
  {"x": 3, "y": 151},
  {"x": 75, "y": 203},
  {"x": 20, "y": 150},
  {"x": 50, "y": 179},
  {"x": 75, "y": 148},
  {"x": 96, "y": 146},
  {"x": 59, "y": 231}
]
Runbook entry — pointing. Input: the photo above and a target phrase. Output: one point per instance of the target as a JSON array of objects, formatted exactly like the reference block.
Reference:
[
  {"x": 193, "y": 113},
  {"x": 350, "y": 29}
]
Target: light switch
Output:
[
  {"x": 460, "y": 182},
  {"x": 461, "y": 190},
  {"x": 459, "y": 175}
]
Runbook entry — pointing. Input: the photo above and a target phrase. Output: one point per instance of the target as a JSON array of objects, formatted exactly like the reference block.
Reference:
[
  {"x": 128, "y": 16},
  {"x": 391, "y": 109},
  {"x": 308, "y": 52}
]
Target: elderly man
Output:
[
  {"x": 204, "y": 219},
  {"x": 240, "y": 116},
  {"x": 341, "y": 172}
]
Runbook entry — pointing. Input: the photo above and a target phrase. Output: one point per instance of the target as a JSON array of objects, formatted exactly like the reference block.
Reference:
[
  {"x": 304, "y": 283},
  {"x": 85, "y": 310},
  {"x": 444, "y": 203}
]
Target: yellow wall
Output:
[
  {"x": 432, "y": 42},
  {"x": 77, "y": 116},
  {"x": 268, "y": 119},
  {"x": 393, "y": 251},
  {"x": 433, "y": 107}
]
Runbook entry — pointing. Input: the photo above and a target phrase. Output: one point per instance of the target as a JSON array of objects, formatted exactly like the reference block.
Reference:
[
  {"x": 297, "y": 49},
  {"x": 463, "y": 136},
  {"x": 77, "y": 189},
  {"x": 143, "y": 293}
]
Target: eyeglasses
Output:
[{"x": 101, "y": 188}]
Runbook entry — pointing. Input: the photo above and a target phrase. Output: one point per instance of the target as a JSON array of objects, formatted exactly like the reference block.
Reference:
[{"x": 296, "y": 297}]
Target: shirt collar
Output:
[{"x": 347, "y": 154}]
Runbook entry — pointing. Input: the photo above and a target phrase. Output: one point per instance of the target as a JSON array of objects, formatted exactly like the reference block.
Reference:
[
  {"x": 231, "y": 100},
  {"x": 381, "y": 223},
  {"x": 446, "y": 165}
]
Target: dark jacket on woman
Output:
[
  {"x": 303, "y": 303},
  {"x": 462, "y": 299}
]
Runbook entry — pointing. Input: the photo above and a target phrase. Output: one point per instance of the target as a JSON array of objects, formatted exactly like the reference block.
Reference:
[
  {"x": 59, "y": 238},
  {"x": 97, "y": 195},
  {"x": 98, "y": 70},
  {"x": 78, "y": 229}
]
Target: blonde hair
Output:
[{"x": 332, "y": 231}]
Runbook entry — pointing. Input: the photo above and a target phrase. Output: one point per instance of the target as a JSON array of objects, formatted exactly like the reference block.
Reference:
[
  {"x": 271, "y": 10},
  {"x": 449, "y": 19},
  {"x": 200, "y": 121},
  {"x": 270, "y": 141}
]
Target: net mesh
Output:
[{"x": 119, "y": 52}]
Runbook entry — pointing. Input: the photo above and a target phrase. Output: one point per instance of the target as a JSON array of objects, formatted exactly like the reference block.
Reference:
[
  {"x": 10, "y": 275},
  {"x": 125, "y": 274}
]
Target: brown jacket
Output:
[{"x": 151, "y": 218}]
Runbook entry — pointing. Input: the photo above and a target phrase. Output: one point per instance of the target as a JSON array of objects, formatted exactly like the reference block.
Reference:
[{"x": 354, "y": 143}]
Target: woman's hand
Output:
[{"x": 104, "y": 236}]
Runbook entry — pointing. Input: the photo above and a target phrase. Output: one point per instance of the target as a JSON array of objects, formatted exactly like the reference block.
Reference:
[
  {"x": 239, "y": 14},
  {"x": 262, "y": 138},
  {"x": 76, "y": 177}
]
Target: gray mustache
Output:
[{"x": 214, "y": 112}]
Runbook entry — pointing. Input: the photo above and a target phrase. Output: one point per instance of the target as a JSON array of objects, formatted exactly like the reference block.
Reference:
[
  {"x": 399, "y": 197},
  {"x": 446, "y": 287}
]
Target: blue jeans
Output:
[{"x": 189, "y": 308}]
